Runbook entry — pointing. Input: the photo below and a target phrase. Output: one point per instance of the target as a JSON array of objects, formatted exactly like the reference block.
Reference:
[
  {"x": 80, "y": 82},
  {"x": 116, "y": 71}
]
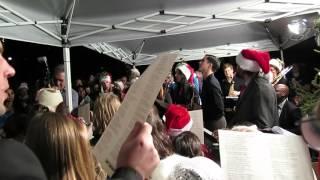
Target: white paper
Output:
[
  {"x": 197, "y": 126},
  {"x": 135, "y": 107},
  {"x": 260, "y": 156}
]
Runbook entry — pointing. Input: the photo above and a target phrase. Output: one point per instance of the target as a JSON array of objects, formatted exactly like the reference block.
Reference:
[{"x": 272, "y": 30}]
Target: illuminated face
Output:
[
  {"x": 204, "y": 65},
  {"x": 178, "y": 75},
  {"x": 6, "y": 71},
  {"x": 106, "y": 84},
  {"x": 228, "y": 72},
  {"x": 59, "y": 80},
  {"x": 274, "y": 72}
]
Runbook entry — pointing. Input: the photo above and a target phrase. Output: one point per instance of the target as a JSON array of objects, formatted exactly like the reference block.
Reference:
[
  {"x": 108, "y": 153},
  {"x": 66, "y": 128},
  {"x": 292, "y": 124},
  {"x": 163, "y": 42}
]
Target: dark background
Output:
[{"x": 85, "y": 61}]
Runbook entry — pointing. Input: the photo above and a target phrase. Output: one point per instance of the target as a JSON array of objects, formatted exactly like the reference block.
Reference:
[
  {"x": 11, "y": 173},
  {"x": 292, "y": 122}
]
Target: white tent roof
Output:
[
  {"x": 162, "y": 25},
  {"x": 167, "y": 25}
]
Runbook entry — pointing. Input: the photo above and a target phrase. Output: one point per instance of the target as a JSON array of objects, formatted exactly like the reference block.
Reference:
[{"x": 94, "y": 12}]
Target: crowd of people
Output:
[{"x": 57, "y": 144}]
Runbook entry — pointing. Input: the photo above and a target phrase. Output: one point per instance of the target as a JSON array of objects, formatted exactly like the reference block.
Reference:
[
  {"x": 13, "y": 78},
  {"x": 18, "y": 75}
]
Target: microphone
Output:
[{"x": 42, "y": 59}]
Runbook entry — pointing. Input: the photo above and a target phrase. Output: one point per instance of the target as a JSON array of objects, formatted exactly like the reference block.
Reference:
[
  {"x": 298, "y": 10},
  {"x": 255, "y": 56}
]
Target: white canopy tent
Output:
[{"x": 68, "y": 23}]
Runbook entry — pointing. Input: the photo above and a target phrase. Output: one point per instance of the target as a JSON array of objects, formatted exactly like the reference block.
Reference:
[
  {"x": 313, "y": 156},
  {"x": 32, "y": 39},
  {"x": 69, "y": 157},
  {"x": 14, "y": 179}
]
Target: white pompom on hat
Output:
[
  {"x": 180, "y": 167},
  {"x": 253, "y": 60},
  {"x": 184, "y": 69}
]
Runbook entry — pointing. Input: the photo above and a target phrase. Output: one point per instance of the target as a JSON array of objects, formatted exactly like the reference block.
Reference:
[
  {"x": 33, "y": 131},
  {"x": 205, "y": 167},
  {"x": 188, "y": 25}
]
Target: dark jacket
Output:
[
  {"x": 183, "y": 94},
  {"x": 257, "y": 105},
  {"x": 19, "y": 162},
  {"x": 290, "y": 117},
  {"x": 212, "y": 100},
  {"x": 225, "y": 85}
]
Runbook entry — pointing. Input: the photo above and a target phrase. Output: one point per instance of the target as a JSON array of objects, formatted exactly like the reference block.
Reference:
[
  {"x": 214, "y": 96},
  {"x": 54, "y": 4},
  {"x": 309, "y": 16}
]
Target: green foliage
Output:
[{"x": 310, "y": 96}]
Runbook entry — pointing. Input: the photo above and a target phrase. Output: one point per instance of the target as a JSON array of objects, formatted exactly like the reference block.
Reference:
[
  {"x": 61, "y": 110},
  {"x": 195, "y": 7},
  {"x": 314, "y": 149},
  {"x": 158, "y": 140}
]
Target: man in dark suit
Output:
[
  {"x": 211, "y": 95},
  {"x": 258, "y": 102},
  {"x": 289, "y": 113}
]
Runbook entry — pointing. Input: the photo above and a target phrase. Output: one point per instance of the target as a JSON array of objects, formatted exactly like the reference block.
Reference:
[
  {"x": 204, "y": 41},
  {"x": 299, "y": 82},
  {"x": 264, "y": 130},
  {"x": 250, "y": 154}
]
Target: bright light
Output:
[
  {"x": 9, "y": 58},
  {"x": 298, "y": 27}
]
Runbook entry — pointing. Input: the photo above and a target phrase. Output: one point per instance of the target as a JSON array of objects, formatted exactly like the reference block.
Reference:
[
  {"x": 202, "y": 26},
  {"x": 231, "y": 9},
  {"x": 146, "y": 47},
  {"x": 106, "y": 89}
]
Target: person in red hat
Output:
[
  {"x": 184, "y": 91},
  {"x": 258, "y": 101}
]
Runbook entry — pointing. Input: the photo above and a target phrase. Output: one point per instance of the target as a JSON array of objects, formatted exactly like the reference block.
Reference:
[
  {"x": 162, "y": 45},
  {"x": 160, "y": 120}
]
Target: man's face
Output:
[
  {"x": 124, "y": 80},
  {"x": 228, "y": 72},
  {"x": 204, "y": 65},
  {"x": 6, "y": 71},
  {"x": 59, "y": 80},
  {"x": 280, "y": 90}
]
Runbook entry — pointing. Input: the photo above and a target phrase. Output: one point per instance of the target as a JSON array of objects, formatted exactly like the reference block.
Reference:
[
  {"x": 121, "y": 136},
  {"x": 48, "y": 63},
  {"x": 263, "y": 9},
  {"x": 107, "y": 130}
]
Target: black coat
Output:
[
  {"x": 212, "y": 100},
  {"x": 257, "y": 105},
  {"x": 225, "y": 85},
  {"x": 19, "y": 162},
  {"x": 290, "y": 117}
]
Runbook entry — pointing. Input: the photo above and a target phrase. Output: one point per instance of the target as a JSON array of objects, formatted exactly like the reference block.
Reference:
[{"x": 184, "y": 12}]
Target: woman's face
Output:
[
  {"x": 178, "y": 75},
  {"x": 274, "y": 72}
]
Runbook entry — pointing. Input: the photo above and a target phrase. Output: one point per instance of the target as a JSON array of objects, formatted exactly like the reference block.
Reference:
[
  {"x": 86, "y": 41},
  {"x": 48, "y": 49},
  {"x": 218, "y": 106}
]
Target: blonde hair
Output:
[
  {"x": 63, "y": 152},
  {"x": 227, "y": 65},
  {"x": 1, "y": 47},
  {"x": 105, "y": 106}
]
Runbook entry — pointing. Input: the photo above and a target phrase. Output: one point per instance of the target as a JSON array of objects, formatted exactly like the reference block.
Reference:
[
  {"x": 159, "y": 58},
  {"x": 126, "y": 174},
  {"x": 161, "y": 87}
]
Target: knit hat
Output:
[
  {"x": 276, "y": 63},
  {"x": 252, "y": 60},
  {"x": 50, "y": 98},
  {"x": 177, "y": 120},
  {"x": 186, "y": 70},
  {"x": 180, "y": 167}
]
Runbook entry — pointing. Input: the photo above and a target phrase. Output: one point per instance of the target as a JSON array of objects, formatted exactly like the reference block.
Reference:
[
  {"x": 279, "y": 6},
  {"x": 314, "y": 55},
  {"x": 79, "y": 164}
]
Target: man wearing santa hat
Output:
[{"x": 258, "y": 101}]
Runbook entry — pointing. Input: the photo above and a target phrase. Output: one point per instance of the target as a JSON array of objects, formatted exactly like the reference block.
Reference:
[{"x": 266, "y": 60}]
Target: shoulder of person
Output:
[{"x": 19, "y": 162}]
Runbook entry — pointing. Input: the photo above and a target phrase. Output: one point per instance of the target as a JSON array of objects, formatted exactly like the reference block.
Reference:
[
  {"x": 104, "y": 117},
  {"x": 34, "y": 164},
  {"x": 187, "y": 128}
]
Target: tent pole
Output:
[
  {"x": 67, "y": 70},
  {"x": 281, "y": 54}
]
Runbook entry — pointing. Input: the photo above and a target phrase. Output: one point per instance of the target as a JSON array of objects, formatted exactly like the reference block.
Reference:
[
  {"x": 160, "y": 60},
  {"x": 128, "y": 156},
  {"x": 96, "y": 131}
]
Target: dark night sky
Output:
[{"x": 85, "y": 61}]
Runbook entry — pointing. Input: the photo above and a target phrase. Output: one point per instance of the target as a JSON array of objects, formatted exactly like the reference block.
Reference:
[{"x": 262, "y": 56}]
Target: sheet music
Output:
[
  {"x": 197, "y": 126},
  {"x": 260, "y": 156},
  {"x": 135, "y": 107}
]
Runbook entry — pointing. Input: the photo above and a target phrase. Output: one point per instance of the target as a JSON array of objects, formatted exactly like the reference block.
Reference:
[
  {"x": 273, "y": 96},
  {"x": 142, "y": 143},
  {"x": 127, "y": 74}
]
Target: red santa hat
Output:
[
  {"x": 187, "y": 71},
  {"x": 177, "y": 120},
  {"x": 253, "y": 60}
]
